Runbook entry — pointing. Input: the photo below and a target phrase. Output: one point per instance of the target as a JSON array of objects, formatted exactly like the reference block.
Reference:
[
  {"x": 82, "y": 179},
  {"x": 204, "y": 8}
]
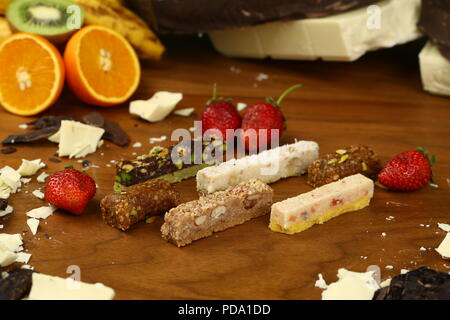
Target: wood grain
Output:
[{"x": 377, "y": 101}]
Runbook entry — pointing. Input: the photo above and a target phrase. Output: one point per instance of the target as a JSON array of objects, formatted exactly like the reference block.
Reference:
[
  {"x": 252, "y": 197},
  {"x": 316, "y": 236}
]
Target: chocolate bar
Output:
[
  {"x": 343, "y": 163},
  {"x": 122, "y": 210},
  {"x": 216, "y": 212},
  {"x": 419, "y": 284},
  {"x": 113, "y": 131},
  {"x": 158, "y": 164},
  {"x": 193, "y": 16},
  {"x": 435, "y": 23}
]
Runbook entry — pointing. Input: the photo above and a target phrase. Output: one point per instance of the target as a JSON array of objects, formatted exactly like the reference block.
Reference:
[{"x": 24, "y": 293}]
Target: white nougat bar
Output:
[
  {"x": 299, "y": 213},
  {"x": 268, "y": 166}
]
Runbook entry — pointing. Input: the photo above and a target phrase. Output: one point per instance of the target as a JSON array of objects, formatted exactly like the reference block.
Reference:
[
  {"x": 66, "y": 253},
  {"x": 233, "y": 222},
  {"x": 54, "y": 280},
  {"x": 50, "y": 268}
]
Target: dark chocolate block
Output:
[
  {"x": 158, "y": 164},
  {"x": 419, "y": 284},
  {"x": 193, "y": 16},
  {"x": 435, "y": 23},
  {"x": 113, "y": 131},
  {"x": 16, "y": 285}
]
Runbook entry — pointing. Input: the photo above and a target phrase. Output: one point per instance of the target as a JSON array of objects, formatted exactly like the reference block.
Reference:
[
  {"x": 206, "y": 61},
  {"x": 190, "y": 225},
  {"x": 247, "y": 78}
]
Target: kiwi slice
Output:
[{"x": 54, "y": 19}]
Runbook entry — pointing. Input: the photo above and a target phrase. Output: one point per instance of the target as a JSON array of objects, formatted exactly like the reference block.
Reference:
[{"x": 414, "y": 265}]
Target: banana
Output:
[
  {"x": 5, "y": 28},
  {"x": 113, "y": 14},
  {"x": 5, "y": 3}
]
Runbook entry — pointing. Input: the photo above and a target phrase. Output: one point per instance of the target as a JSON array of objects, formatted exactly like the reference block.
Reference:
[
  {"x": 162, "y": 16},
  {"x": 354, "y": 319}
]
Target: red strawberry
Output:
[
  {"x": 407, "y": 171},
  {"x": 220, "y": 115},
  {"x": 70, "y": 190},
  {"x": 264, "y": 115}
]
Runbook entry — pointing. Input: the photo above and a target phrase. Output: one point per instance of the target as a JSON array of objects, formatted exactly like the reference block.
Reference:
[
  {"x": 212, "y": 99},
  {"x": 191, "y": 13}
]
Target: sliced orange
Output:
[
  {"x": 32, "y": 74},
  {"x": 101, "y": 66}
]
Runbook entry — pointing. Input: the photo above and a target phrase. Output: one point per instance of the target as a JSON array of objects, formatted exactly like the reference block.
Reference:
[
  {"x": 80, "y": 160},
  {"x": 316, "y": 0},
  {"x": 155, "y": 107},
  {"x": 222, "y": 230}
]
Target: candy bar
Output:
[
  {"x": 343, "y": 163},
  {"x": 322, "y": 204},
  {"x": 122, "y": 210},
  {"x": 158, "y": 164},
  {"x": 268, "y": 166},
  {"x": 216, "y": 212}
]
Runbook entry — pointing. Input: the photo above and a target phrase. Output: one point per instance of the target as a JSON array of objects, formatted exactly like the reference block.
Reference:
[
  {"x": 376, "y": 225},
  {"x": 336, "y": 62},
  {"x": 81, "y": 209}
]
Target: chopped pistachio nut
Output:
[
  {"x": 343, "y": 158},
  {"x": 341, "y": 151},
  {"x": 156, "y": 150},
  {"x": 178, "y": 164},
  {"x": 364, "y": 166},
  {"x": 127, "y": 167},
  {"x": 124, "y": 177},
  {"x": 151, "y": 219},
  {"x": 133, "y": 212},
  {"x": 332, "y": 161},
  {"x": 117, "y": 188}
]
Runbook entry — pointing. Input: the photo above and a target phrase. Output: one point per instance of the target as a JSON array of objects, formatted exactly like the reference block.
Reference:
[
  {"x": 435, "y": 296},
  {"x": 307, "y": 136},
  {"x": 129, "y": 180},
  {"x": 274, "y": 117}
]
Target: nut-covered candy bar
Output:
[
  {"x": 158, "y": 164},
  {"x": 153, "y": 197},
  {"x": 216, "y": 212},
  {"x": 343, "y": 163}
]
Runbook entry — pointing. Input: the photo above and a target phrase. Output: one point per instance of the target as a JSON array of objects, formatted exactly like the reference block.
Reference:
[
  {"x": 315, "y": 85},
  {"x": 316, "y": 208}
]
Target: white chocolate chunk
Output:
[
  {"x": 444, "y": 247},
  {"x": 13, "y": 242},
  {"x": 186, "y": 112},
  {"x": 444, "y": 226},
  {"x": 76, "y": 140},
  {"x": 29, "y": 168},
  {"x": 10, "y": 178},
  {"x": 23, "y": 257},
  {"x": 47, "y": 287},
  {"x": 351, "y": 286},
  {"x": 268, "y": 166},
  {"x": 38, "y": 194},
  {"x": 42, "y": 177},
  {"x": 7, "y": 257},
  {"x": 157, "y": 107},
  {"x": 41, "y": 213},
  {"x": 340, "y": 37},
  {"x": 434, "y": 70},
  {"x": 7, "y": 211},
  {"x": 33, "y": 224}
]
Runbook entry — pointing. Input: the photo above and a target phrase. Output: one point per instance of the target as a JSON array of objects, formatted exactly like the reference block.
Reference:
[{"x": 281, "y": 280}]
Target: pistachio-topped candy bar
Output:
[{"x": 159, "y": 164}]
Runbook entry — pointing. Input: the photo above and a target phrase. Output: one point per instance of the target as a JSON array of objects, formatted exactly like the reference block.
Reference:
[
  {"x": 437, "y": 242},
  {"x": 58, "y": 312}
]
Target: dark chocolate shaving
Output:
[
  {"x": 54, "y": 160},
  {"x": 419, "y": 284},
  {"x": 193, "y": 16},
  {"x": 3, "y": 204},
  {"x": 16, "y": 285},
  {"x": 8, "y": 150},
  {"x": 30, "y": 136},
  {"x": 435, "y": 23},
  {"x": 113, "y": 131}
]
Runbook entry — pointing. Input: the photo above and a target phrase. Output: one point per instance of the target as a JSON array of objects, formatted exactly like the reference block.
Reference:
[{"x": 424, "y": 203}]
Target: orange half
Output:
[
  {"x": 31, "y": 76},
  {"x": 101, "y": 66}
]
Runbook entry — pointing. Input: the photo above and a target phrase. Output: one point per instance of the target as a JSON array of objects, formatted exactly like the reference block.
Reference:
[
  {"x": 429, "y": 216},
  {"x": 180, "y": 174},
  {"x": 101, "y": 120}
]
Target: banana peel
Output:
[
  {"x": 5, "y": 28},
  {"x": 113, "y": 14}
]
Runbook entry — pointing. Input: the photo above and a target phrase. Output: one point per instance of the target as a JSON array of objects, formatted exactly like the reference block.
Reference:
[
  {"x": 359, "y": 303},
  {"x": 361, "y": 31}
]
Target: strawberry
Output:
[
  {"x": 264, "y": 115},
  {"x": 407, "y": 171},
  {"x": 220, "y": 115},
  {"x": 70, "y": 190}
]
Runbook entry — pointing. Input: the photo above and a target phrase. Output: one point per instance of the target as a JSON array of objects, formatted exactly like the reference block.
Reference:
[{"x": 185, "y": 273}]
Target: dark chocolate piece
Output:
[
  {"x": 193, "y": 16},
  {"x": 113, "y": 131},
  {"x": 31, "y": 136},
  {"x": 419, "y": 284},
  {"x": 158, "y": 164},
  {"x": 154, "y": 197},
  {"x": 435, "y": 23},
  {"x": 343, "y": 163},
  {"x": 8, "y": 150},
  {"x": 86, "y": 163},
  {"x": 16, "y": 285},
  {"x": 49, "y": 121},
  {"x": 54, "y": 160},
  {"x": 3, "y": 204}
]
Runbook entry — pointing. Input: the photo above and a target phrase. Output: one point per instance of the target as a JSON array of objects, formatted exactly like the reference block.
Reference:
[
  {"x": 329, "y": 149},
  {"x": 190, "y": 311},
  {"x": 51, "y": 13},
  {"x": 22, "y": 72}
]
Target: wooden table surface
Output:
[{"x": 377, "y": 101}]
